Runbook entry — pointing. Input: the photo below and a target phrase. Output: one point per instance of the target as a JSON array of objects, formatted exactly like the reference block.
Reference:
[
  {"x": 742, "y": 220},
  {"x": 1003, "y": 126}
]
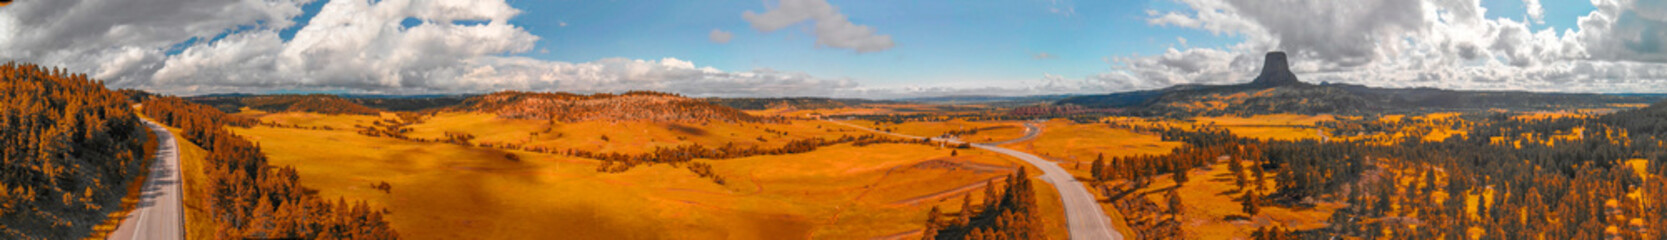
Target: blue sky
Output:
[
  {"x": 938, "y": 42},
  {"x": 867, "y": 49}
]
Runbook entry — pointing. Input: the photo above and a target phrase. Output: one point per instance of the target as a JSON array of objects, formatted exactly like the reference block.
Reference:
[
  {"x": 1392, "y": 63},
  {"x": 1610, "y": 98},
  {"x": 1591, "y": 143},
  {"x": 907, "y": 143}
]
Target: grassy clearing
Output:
[{"x": 445, "y": 191}]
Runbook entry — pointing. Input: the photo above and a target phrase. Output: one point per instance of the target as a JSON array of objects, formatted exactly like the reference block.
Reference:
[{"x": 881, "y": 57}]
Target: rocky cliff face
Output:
[{"x": 1275, "y": 72}]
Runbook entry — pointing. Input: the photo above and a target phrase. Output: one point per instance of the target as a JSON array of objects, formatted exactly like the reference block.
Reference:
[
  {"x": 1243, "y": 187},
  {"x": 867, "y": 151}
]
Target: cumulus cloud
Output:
[
  {"x": 350, "y": 45},
  {"x": 719, "y": 36},
  {"x": 1535, "y": 10},
  {"x": 1428, "y": 43},
  {"x": 120, "y": 40},
  {"x": 1043, "y": 56},
  {"x": 832, "y": 29}
]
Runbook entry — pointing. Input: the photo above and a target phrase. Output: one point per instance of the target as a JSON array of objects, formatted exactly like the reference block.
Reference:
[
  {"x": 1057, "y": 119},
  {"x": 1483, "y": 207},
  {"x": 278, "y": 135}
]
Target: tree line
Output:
[
  {"x": 1006, "y": 212},
  {"x": 247, "y": 198}
]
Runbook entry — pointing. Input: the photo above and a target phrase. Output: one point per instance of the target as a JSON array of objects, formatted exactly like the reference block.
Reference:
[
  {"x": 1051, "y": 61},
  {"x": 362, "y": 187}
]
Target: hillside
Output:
[
  {"x": 630, "y": 106},
  {"x": 68, "y": 149}
]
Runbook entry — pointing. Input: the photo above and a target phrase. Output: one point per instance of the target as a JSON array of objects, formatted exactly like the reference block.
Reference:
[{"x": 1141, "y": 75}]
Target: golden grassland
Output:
[
  {"x": 1072, "y": 142},
  {"x": 621, "y": 136},
  {"x": 446, "y": 191},
  {"x": 999, "y": 130},
  {"x": 306, "y": 119}
]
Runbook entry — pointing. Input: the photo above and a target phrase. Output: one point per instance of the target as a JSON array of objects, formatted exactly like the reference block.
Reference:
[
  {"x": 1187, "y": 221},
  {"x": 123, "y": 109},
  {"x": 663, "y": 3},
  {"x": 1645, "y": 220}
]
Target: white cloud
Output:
[
  {"x": 833, "y": 29},
  {"x": 1043, "y": 56},
  {"x": 719, "y": 36},
  {"x": 1536, "y": 11},
  {"x": 118, "y": 40},
  {"x": 350, "y": 45}
]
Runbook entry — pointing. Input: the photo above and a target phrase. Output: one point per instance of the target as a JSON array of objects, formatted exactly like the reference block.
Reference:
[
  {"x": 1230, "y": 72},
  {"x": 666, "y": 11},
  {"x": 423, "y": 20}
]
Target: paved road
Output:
[
  {"x": 158, "y": 214},
  {"x": 1030, "y": 132},
  {"x": 1082, "y": 211}
]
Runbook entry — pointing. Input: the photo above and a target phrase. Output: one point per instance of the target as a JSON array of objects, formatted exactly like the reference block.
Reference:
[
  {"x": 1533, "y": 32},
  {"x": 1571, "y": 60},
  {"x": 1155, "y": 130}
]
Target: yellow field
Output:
[
  {"x": 1001, "y": 131},
  {"x": 1061, "y": 139},
  {"x": 445, "y": 191},
  {"x": 306, "y": 119}
]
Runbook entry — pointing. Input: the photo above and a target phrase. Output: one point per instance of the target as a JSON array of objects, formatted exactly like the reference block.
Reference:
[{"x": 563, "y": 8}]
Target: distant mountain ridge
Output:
[
  {"x": 1278, "y": 90},
  {"x": 629, "y": 106},
  {"x": 313, "y": 103}
]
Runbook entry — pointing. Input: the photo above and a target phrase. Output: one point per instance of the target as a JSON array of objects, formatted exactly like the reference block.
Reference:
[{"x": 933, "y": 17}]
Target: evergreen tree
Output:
[{"x": 1098, "y": 170}]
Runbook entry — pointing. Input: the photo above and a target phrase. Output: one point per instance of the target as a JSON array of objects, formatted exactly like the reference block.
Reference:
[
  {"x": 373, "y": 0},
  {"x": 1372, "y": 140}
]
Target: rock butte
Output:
[{"x": 1275, "y": 72}]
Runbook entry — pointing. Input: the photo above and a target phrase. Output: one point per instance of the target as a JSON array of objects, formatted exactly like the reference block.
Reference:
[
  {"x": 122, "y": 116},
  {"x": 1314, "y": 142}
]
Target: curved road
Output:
[
  {"x": 158, "y": 214},
  {"x": 1082, "y": 211}
]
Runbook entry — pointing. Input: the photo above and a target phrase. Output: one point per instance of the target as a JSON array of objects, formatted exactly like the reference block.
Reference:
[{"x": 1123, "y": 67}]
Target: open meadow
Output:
[{"x": 448, "y": 191}]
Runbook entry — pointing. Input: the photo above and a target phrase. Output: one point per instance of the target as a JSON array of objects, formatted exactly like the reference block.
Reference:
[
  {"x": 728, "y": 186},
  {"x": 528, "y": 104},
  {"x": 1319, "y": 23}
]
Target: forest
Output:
[
  {"x": 248, "y": 199},
  {"x": 68, "y": 149},
  {"x": 1504, "y": 178}
]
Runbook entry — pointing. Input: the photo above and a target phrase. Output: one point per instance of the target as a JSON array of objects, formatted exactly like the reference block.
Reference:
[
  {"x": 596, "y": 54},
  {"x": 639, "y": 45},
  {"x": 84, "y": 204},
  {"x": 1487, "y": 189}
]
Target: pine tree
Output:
[
  {"x": 1251, "y": 202},
  {"x": 966, "y": 210},
  {"x": 1237, "y": 168},
  {"x": 1098, "y": 170},
  {"x": 1180, "y": 176},
  {"x": 1174, "y": 201}
]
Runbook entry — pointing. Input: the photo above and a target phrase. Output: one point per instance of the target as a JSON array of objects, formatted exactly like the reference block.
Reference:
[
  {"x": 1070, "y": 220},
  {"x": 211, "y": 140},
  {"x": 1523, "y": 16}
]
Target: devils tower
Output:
[{"x": 1275, "y": 72}]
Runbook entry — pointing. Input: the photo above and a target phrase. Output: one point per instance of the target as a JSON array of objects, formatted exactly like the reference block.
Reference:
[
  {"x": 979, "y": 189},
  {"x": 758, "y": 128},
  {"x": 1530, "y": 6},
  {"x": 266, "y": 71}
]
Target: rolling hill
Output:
[{"x": 630, "y": 106}]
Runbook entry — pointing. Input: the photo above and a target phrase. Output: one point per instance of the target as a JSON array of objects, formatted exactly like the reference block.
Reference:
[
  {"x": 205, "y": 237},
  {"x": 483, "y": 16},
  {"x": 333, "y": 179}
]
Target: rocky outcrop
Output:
[{"x": 1275, "y": 72}]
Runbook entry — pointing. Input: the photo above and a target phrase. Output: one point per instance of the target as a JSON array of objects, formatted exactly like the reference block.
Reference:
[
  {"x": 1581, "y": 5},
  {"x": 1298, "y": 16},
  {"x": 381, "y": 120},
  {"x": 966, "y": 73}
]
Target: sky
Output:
[{"x": 836, "y": 48}]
